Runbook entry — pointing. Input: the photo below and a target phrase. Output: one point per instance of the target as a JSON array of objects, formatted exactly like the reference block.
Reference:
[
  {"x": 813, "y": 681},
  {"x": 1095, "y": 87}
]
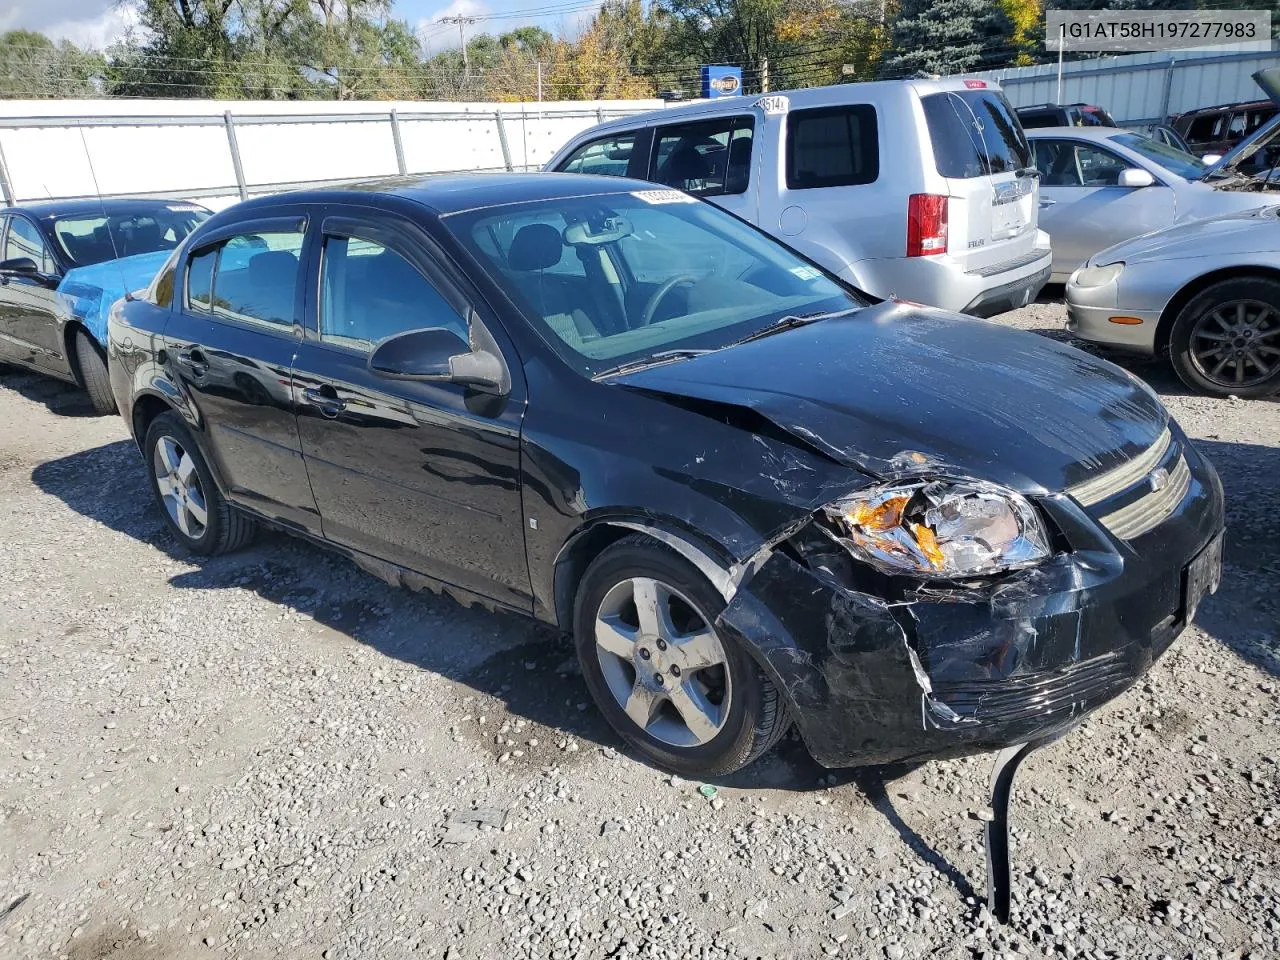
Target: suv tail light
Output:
[{"x": 926, "y": 224}]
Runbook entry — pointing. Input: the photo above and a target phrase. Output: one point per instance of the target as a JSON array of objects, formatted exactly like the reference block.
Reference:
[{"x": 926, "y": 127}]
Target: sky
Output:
[{"x": 97, "y": 23}]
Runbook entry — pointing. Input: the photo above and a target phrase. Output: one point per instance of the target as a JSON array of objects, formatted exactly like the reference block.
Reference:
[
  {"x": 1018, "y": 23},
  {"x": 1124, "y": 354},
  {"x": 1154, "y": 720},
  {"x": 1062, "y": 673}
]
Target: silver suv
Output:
[{"x": 922, "y": 190}]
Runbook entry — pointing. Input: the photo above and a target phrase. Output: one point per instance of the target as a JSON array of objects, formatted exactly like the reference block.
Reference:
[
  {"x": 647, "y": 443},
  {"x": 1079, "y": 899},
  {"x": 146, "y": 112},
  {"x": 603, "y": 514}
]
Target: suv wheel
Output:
[
  {"x": 666, "y": 680},
  {"x": 1226, "y": 340},
  {"x": 193, "y": 507}
]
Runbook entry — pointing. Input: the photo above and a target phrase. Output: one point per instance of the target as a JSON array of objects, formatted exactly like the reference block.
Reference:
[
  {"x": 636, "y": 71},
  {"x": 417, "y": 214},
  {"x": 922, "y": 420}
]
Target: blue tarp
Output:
[{"x": 89, "y": 292}]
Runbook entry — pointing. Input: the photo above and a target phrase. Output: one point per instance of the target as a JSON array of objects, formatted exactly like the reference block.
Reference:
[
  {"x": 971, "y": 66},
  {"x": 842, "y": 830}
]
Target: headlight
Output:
[
  {"x": 1097, "y": 276},
  {"x": 948, "y": 529}
]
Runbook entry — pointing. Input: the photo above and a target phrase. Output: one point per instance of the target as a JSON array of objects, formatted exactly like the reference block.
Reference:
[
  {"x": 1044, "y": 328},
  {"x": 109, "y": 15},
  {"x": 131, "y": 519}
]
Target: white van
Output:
[{"x": 923, "y": 190}]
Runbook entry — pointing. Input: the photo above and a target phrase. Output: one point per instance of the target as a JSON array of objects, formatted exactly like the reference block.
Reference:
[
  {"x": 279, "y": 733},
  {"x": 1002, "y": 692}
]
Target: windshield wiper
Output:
[
  {"x": 653, "y": 360},
  {"x": 790, "y": 322}
]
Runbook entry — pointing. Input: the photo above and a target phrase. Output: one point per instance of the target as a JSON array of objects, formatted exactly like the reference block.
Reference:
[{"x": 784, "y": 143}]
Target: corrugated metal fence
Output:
[
  {"x": 219, "y": 152},
  {"x": 1142, "y": 88}
]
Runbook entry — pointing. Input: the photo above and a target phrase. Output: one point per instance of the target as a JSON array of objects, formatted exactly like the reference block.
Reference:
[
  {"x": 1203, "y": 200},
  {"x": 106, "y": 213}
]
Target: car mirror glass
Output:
[{"x": 1135, "y": 177}]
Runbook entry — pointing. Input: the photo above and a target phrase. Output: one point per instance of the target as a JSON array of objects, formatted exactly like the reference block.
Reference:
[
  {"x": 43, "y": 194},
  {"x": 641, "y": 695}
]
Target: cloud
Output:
[
  {"x": 98, "y": 32},
  {"x": 444, "y": 36}
]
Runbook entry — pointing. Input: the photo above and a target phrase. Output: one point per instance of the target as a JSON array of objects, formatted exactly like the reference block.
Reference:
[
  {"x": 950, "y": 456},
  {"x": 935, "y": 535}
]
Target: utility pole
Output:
[
  {"x": 764, "y": 74},
  {"x": 539, "y": 81},
  {"x": 461, "y": 21}
]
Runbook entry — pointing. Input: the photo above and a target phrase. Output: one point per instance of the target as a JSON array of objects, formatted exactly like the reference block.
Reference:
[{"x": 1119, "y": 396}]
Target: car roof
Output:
[
  {"x": 1243, "y": 105},
  {"x": 1097, "y": 134},
  {"x": 454, "y": 193},
  {"x": 113, "y": 206},
  {"x": 831, "y": 95}
]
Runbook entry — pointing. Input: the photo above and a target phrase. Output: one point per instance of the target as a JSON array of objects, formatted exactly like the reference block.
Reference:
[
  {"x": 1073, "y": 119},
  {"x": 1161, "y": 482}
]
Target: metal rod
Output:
[
  {"x": 248, "y": 120},
  {"x": 999, "y": 868},
  {"x": 1168, "y": 89},
  {"x": 399, "y": 144},
  {"x": 502, "y": 139},
  {"x": 6, "y": 183},
  {"x": 235, "y": 155}
]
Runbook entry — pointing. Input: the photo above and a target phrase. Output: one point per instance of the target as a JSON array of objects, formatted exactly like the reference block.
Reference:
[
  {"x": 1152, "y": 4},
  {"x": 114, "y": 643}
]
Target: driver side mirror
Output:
[
  {"x": 23, "y": 265},
  {"x": 439, "y": 355},
  {"x": 1136, "y": 177},
  {"x": 1209, "y": 159}
]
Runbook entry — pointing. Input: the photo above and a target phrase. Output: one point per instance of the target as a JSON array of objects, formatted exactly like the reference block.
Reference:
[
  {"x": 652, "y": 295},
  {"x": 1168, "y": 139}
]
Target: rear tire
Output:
[
  {"x": 93, "y": 371},
  {"x": 1226, "y": 340},
  {"x": 193, "y": 507},
  {"x": 714, "y": 710}
]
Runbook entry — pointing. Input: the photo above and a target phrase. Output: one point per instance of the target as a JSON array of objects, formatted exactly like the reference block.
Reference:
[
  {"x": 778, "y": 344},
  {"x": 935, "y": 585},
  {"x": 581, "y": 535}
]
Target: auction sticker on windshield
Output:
[{"x": 663, "y": 196}]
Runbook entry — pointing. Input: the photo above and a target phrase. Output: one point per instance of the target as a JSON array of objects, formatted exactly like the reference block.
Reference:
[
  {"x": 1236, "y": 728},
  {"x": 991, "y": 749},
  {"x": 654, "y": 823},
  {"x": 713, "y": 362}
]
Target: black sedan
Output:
[
  {"x": 753, "y": 496},
  {"x": 63, "y": 263}
]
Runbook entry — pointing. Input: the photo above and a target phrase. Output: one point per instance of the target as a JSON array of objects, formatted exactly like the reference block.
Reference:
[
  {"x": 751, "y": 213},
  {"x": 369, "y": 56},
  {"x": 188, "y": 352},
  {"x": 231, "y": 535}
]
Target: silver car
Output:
[
  {"x": 1207, "y": 293},
  {"x": 1102, "y": 185}
]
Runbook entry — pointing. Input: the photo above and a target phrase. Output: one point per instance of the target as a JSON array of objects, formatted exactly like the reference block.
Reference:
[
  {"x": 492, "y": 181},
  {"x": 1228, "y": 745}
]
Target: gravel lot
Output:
[{"x": 274, "y": 754}]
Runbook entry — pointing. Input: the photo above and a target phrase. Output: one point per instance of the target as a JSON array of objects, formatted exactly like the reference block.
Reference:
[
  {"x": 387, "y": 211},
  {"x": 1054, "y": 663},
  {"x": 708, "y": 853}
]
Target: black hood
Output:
[{"x": 897, "y": 389}]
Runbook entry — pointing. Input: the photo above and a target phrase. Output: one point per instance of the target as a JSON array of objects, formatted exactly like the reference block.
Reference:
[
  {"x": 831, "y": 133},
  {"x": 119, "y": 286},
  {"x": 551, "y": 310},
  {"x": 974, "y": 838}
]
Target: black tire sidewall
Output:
[
  {"x": 93, "y": 373},
  {"x": 734, "y": 743},
  {"x": 171, "y": 425},
  {"x": 1256, "y": 288}
]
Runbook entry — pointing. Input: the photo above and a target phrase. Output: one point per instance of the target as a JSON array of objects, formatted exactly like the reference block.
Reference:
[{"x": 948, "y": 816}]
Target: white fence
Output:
[
  {"x": 1142, "y": 88},
  {"x": 218, "y": 152}
]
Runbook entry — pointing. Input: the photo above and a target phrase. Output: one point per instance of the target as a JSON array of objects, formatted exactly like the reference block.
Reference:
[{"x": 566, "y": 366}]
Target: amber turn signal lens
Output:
[{"x": 1126, "y": 321}]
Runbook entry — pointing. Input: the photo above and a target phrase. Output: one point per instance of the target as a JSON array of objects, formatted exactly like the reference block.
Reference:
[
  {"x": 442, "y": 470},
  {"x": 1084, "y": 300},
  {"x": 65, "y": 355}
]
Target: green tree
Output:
[
  {"x": 33, "y": 67},
  {"x": 948, "y": 36}
]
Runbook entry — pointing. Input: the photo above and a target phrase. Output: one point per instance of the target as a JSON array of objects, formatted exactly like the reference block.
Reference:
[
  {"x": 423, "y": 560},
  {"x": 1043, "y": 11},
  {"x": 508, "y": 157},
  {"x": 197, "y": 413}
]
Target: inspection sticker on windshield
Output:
[
  {"x": 805, "y": 273},
  {"x": 663, "y": 196},
  {"x": 181, "y": 207}
]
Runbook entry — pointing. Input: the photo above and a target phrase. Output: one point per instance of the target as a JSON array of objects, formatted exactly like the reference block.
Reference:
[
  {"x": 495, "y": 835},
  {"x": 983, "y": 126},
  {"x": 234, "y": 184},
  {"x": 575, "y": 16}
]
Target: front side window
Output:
[
  {"x": 1171, "y": 158},
  {"x": 707, "y": 159},
  {"x": 832, "y": 147},
  {"x": 1206, "y": 128},
  {"x": 369, "y": 292},
  {"x": 974, "y": 133},
  {"x": 24, "y": 242},
  {"x": 656, "y": 270},
  {"x": 608, "y": 156},
  {"x": 1064, "y": 163},
  {"x": 97, "y": 238},
  {"x": 248, "y": 278}
]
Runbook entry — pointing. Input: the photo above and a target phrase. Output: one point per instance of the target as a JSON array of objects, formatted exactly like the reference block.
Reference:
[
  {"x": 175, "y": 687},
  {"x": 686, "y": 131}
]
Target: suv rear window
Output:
[
  {"x": 832, "y": 147},
  {"x": 975, "y": 133}
]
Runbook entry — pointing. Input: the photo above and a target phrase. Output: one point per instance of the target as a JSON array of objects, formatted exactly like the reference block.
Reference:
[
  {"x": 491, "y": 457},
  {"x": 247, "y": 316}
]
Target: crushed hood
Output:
[{"x": 898, "y": 389}]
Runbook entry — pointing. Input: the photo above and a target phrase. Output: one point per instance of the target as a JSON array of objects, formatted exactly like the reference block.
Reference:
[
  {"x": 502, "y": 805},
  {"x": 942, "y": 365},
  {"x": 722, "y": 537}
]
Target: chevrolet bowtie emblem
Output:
[{"x": 1158, "y": 479}]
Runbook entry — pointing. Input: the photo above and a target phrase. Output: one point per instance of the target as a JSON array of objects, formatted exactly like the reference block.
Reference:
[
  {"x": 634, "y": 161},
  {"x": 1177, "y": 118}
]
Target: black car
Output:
[
  {"x": 753, "y": 496},
  {"x": 63, "y": 263},
  {"x": 1064, "y": 115}
]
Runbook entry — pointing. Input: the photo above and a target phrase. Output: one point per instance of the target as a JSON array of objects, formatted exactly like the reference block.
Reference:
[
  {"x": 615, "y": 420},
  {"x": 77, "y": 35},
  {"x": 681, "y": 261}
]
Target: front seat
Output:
[
  {"x": 685, "y": 165},
  {"x": 538, "y": 247}
]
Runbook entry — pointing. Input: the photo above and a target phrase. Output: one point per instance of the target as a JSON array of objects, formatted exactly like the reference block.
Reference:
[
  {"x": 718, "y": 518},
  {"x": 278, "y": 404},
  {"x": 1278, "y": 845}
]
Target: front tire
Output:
[
  {"x": 1226, "y": 340},
  {"x": 672, "y": 685},
  {"x": 193, "y": 507},
  {"x": 93, "y": 372}
]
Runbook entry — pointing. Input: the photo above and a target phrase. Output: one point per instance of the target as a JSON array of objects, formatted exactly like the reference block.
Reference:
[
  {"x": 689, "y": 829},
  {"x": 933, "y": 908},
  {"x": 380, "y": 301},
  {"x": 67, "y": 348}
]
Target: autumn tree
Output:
[{"x": 32, "y": 66}]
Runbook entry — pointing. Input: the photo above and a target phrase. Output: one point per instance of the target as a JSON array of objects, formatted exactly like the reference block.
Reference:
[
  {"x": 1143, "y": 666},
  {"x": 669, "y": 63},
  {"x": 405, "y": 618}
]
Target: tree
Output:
[
  {"x": 744, "y": 32},
  {"x": 33, "y": 67},
  {"x": 948, "y": 36},
  {"x": 1025, "y": 19},
  {"x": 820, "y": 36}
]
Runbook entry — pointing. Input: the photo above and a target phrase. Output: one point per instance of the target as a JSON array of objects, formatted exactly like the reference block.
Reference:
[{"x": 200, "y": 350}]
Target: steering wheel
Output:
[{"x": 655, "y": 300}]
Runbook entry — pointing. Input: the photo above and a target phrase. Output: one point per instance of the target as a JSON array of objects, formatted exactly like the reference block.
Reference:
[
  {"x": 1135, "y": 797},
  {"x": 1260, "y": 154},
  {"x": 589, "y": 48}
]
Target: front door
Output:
[
  {"x": 1084, "y": 209},
  {"x": 29, "y": 326},
  {"x": 231, "y": 343},
  {"x": 423, "y": 474}
]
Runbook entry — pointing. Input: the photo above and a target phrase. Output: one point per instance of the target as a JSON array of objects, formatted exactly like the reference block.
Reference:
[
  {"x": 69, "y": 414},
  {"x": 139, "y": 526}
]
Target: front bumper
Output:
[
  {"x": 922, "y": 672},
  {"x": 1089, "y": 317}
]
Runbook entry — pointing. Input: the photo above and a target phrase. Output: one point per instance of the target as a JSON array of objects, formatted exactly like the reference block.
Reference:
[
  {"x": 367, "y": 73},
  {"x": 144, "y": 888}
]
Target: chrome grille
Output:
[
  {"x": 1121, "y": 478},
  {"x": 1147, "y": 511},
  {"x": 1150, "y": 511}
]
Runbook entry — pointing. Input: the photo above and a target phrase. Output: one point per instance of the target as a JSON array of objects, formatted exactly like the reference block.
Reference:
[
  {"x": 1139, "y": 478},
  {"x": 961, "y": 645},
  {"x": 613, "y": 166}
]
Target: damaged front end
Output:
[{"x": 929, "y": 616}]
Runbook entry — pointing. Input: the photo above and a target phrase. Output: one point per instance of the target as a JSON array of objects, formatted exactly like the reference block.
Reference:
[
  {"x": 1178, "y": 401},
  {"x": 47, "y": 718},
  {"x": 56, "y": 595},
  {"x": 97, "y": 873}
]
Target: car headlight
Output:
[
  {"x": 1097, "y": 276},
  {"x": 946, "y": 529}
]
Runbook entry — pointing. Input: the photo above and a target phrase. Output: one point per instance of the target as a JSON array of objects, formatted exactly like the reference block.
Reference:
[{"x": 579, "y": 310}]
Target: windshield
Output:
[
  {"x": 1171, "y": 158},
  {"x": 95, "y": 238},
  {"x": 609, "y": 279},
  {"x": 974, "y": 133}
]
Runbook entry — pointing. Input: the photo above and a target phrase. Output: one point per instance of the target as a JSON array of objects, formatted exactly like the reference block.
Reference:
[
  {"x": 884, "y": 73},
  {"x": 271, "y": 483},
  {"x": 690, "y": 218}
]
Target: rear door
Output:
[
  {"x": 1084, "y": 207},
  {"x": 711, "y": 159},
  {"x": 29, "y": 307},
  {"x": 980, "y": 149},
  {"x": 230, "y": 343},
  {"x": 424, "y": 474}
]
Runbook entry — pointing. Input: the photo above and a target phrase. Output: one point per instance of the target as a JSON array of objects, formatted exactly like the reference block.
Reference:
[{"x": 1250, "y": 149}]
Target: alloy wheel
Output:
[
  {"x": 179, "y": 486},
  {"x": 1237, "y": 344},
  {"x": 663, "y": 662}
]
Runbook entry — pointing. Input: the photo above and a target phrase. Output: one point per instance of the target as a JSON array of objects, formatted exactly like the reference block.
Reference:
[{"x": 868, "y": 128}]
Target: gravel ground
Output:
[{"x": 274, "y": 754}]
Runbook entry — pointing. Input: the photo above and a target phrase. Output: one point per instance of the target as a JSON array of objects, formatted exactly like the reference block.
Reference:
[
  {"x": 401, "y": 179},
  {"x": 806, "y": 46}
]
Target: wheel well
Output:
[
  {"x": 1184, "y": 296},
  {"x": 145, "y": 409},
  {"x": 69, "y": 346},
  {"x": 573, "y": 562}
]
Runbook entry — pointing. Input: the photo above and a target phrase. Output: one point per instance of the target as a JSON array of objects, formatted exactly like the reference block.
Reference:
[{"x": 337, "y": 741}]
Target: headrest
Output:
[
  {"x": 537, "y": 246},
  {"x": 273, "y": 265}
]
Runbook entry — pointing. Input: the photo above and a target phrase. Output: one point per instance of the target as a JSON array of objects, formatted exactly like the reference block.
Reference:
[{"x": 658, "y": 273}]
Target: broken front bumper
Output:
[{"x": 917, "y": 671}]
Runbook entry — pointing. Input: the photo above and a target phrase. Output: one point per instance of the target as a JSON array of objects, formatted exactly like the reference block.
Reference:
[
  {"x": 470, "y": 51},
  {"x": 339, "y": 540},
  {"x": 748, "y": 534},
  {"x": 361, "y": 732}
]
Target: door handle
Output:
[
  {"x": 326, "y": 399},
  {"x": 194, "y": 360},
  {"x": 1046, "y": 202}
]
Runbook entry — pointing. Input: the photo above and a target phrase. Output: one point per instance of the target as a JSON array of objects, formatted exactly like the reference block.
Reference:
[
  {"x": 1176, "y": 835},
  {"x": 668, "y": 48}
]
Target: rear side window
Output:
[
  {"x": 1038, "y": 118},
  {"x": 1205, "y": 127},
  {"x": 252, "y": 278},
  {"x": 832, "y": 147},
  {"x": 707, "y": 159},
  {"x": 975, "y": 133},
  {"x": 25, "y": 242},
  {"x": 608, "y": 156}
]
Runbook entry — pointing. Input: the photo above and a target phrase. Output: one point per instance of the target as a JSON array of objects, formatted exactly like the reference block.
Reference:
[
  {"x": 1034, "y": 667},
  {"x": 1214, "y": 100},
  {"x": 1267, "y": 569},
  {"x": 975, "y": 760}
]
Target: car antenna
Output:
[{"x": 97, "y": 192}]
